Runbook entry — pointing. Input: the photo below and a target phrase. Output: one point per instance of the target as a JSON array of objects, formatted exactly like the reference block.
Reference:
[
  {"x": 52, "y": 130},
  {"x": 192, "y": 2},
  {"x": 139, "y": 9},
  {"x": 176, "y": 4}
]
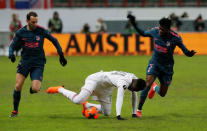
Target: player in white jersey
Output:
[{"x": 101, "y": 84}]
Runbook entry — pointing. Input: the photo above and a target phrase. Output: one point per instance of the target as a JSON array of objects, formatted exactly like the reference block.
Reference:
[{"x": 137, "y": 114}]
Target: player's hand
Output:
[
  {"x": 120, "y": 118},
  {"x": 131, "y": 18},
  {"x": 134, "y": 116},
  {"x": 12, "y": 58},
  {"x": 63, "y": 61},
  {"x": 191, "y": 53}
]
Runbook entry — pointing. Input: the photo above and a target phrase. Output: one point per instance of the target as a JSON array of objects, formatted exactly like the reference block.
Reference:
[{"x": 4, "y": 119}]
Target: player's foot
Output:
[
  {"x": 14, "y": 114},
  {"x": 152, "y": 91},
  {"x": 84, "y": 108},
  {"x": 139, "y": 113},
  {"x": 54, "y": 89}
]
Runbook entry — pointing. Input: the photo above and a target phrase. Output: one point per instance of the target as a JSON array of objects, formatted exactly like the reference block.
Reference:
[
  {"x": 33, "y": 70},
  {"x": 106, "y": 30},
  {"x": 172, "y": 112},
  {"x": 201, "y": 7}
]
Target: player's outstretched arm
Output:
[
  {"x": 119, "y": 101},
  {"x": 55, "y": 42},
  {"x": 184, "y": 49},
  {"x": 134, "y": 102},
  {"x": 132, "y": 19},
  {"x": 190, "y": 53}
]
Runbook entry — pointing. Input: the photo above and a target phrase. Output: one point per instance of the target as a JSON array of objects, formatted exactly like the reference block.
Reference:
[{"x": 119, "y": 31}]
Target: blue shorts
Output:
[
  {"x": 36, "y": 72},
  {"x": 163, "y": 73}
]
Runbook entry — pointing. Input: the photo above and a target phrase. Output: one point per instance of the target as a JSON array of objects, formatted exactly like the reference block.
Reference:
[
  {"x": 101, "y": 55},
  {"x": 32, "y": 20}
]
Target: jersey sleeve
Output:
[
  {"x": 14, "y": 44},
  {"x": 134, "y": 102},
  {"x": 122, "y": 86},
  {"x": 144, "y": 33},
  {"x": 54, "y": 41},
  {"x": 182, "y": 46}
]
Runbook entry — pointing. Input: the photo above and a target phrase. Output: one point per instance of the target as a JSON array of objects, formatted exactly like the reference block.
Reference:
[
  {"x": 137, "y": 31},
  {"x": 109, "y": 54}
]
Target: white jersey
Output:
[{"x": 102, "y": 84}]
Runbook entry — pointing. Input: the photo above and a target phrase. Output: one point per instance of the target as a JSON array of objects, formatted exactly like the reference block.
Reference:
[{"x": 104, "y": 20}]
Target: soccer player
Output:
[
  {"x": 161, "y": 63},
  {"x": 101, "y": 84},
  {"x": 30, "y": 39}
]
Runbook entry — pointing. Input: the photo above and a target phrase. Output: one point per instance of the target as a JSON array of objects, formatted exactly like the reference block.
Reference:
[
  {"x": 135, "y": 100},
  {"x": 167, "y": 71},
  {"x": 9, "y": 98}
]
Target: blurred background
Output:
[{"x": 103, "y": 17}]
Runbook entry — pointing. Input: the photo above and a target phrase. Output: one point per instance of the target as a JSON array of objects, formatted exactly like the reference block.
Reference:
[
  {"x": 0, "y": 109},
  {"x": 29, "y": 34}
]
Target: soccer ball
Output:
[{"x": 91, "y": 113}]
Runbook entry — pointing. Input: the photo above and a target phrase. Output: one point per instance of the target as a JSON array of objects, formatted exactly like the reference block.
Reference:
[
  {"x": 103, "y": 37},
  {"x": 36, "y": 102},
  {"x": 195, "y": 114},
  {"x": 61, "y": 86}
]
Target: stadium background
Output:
[{"x": 184, "y": 107}]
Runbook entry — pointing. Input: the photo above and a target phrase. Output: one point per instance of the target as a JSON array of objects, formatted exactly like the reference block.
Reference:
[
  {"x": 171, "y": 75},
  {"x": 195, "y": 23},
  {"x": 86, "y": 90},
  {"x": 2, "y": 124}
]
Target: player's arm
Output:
[
  {"x": 141, "y": 32},
  {"x": 184, "y": 49},
  {"x": 134, "y": 103},
  {"x": 119, "y": 101},
  {"x": 55, "y": 42},
  {"x": 13, "y": 46}
]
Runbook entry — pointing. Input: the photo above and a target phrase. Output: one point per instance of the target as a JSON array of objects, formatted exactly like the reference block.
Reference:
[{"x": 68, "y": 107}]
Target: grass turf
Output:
[{"x": 183, "y": 108}]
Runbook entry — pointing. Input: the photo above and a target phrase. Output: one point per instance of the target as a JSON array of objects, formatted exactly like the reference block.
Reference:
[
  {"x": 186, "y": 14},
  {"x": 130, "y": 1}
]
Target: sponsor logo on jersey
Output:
[
  {"x": 32, "y": 44},
  {"x": 160, "y": 48}
]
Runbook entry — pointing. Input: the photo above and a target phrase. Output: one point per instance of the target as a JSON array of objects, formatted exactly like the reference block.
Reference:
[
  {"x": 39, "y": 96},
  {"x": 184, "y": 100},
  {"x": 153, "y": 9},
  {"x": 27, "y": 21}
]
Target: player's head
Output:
[
  {"x": 165, "y": 25},
  {"x": 137, "y": 85},
  {"x": 32, "y": 19}
]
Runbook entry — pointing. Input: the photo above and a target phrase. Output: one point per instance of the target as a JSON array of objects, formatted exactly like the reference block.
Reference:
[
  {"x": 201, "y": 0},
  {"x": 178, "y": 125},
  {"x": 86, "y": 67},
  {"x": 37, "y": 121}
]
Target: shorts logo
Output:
[
  {"x": 37, "y": 38},
  {"x": 150, "y": 68}
]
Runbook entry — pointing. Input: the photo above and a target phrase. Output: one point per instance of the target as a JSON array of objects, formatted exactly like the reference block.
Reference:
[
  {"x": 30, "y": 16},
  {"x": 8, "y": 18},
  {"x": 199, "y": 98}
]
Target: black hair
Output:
[
  {"x": 165, "y": 22},
  {"x": 55, "y": 13},
  {"x": 139, "y": 85},
  {"x": 31, "y": 14}
]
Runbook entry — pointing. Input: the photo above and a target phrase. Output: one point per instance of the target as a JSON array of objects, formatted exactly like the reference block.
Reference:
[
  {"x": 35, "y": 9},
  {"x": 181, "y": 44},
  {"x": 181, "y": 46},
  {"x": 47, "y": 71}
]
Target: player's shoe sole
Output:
[
  {"x": 151, "y": 93},
  {"x": 14, "y": 114},
  {"x": 139, "y": 113},
  {"x": 53, "y": 89},
  {"x": 84, "y": 108}
]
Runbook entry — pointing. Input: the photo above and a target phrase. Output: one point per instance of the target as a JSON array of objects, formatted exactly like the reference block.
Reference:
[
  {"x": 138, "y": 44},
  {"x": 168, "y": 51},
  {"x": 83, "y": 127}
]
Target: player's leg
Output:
[
  {"x": 152, "y": 72},
  {"x": 105, "y": 108},
  {"x": 165, "y": 81},
  {"x": 163, "y": 90},
  {"x": 22, "y": 72},
  {"x": 73, "y": 96},
  {"x": 149, "y": 80},
  {"x": 36, "y": 75},
  {"x": 17, "y": 93}
]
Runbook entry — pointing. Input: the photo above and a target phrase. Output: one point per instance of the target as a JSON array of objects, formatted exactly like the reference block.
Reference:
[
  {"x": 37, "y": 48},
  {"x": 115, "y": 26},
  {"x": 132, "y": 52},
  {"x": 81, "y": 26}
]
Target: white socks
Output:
[{"x": 67, "y": 93}]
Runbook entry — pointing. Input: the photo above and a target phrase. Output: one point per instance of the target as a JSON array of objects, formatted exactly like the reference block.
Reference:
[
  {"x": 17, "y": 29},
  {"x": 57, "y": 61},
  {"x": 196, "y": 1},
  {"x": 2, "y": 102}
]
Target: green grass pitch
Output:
[{"x": 183, "y": 108}]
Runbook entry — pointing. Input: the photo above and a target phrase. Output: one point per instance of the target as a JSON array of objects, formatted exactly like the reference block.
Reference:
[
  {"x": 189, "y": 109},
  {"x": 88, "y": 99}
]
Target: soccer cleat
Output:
[
  {"x": 14, "y": 114},
  {"x": 139, "y": 113},
  {"x": 152, "y": 91},
  {"x": 84, "y": 108},
  {"x": 53, "y": 89}
]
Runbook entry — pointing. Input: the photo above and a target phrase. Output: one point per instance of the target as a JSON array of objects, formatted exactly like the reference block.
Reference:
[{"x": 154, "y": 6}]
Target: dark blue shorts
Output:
[
  {"x": 163, "y": 73},
  {"x": 36, "y": 72}
]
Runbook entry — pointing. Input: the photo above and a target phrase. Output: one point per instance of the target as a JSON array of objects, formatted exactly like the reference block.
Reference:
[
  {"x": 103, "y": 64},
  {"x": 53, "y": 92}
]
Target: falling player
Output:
[{"x": 101, "y": 84}]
